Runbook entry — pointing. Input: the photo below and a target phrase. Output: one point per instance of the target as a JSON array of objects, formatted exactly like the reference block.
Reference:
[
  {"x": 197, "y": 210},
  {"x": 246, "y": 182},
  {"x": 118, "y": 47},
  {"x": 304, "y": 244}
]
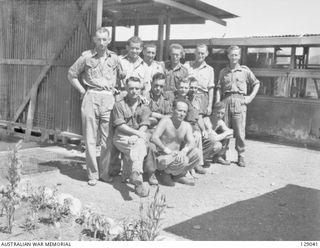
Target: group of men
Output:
[{"x": 159, "y": 119}]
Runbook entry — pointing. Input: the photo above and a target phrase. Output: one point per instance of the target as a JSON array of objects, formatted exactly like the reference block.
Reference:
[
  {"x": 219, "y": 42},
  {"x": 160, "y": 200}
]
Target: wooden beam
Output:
[
  {"x": 299, "y": 73},
  {"x": 160, "y": 37},
  {"x": 136, "y": 24},
  {"x": 45, "y": 70},
  {"x": 113, "y": 34},
  {"x": 267, "y": 41},
  {"x": 317, "y": 87},
  {"x": 192, "y": 10},
  {"x": 168, "y": 26},
  {"x": 97, "y": 15}
]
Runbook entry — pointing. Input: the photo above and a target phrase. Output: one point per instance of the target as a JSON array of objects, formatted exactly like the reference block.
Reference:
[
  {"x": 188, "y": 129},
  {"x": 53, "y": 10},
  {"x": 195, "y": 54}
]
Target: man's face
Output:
[
  {"x": 101, "y": 40},
  {"x": 201, "y": 53},
  {"x": 220, "y": 114},
  {"x": 181, "y": 110},
  {"x": 234, "y": 56},
  {"x": 157, "y": 86},
  {"x": 149, "y": 53},
  {"x": 133, "y": 89},
  {"x": 134, "y": 49},
  {"x": 183, "y": 89},
  {"x": 193, "y": 88},
  {"x": 175, "y": 55}
]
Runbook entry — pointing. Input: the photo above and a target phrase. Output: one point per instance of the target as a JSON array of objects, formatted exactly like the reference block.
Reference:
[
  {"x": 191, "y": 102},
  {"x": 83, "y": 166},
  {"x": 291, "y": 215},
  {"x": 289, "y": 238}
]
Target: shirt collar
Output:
[
  {"x": 126, "y": 100},
  {"x": 237, "y": 68},
  {"x": 94, "y": 52},
  {"x": 203, "y": 65}
]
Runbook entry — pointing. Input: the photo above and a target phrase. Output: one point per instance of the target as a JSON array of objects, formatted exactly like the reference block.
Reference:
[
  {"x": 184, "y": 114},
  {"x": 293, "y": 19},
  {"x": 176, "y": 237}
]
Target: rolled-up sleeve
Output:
[
  {"x": 118, "y": 115},
  {"x": 145, "y": 116},
  {"x": 78, "y": 67},
  {"x": 221, "y": 74},
  {"x": 211, "y": 78}
]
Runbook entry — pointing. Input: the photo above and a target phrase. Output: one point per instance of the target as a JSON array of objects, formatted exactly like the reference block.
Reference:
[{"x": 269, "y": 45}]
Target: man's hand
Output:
[
  {"x": 247, "y": 100},
  {"x": 167, "y": 151},
  {"x": 82, "y": 93},
  {"x": 133, "y": 139},
  {"x": 181, "y": 157},
  {"x": 205, "y": 134},
  {"x": 209, "y": 109},
  {"x": 144, "y": 100}
]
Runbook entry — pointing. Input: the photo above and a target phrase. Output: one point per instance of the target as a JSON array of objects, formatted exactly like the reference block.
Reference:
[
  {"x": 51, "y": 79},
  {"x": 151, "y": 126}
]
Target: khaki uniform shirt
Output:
[
  {"x": 174, "y": 76},
  {"x": 137, "y": 69},
  {"x": 151, "y": 70},
  {"x": 162, "y": 105},
  {"x": 236, "y": 80},
  {"x": 204, "y": 74},
  {"x": 122, "y": 114},
  {"x": 96, "y": 73}
]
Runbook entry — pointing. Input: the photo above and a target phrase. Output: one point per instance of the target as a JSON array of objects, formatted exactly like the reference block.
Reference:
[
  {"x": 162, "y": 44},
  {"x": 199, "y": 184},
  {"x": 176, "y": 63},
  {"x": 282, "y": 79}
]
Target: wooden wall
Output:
[{"x": 39, "y": 40}]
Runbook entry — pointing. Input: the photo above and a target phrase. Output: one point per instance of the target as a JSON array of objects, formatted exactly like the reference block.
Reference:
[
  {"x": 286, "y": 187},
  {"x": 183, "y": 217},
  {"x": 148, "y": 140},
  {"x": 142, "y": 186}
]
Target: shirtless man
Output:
[{"x": 176, "y": 153}]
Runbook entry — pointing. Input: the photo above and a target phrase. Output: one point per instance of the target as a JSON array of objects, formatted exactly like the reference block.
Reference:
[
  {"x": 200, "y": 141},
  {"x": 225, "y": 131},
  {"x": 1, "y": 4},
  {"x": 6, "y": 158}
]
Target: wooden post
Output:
[
  {"x": 136, "y": 26},
  {"x": 96, "y": 15},
  {"x": 168, "y": 26},
  {"x": 113, "y": 34},
  {"x": 160, "y": 37}
]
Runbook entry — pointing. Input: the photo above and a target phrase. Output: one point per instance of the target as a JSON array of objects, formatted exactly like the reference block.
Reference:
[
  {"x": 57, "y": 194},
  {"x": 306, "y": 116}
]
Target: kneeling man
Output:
[
  {"x": 131, "y": 121},
  {"x": 176, "y": 153}
]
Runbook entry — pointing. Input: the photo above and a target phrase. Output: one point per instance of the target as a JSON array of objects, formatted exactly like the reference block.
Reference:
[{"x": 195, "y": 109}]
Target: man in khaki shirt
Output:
[
  {"x": 232, "y": 89},
  {"x": 99, "y": 68}
]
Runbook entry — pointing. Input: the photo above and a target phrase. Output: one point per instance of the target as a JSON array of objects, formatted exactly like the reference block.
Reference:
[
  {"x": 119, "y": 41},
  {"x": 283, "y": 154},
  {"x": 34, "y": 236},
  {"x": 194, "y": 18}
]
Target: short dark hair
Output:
[
  {"x": 233, "y": 47},
  {"x": 149, "y": 45},
  {"x": 135, "y": 39},
  {"x": 102, "y": 30},
  {"x": 158, "y": 76},
  {"x": 219, "y": 106},
  {"x": 177, "y": 46},
  {"x": 179, "y": 99},
  {"x": 192, "y": 79},
  {"x": 134, "y": 79},
  {"x": 202, "y": 45}
]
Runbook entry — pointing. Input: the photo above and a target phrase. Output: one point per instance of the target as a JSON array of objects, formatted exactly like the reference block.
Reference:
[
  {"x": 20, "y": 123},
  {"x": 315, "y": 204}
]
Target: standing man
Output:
[
  {"x": 132, "y": 64},
  {"x": 204, "y": 73},
  {"x": 99, "y": 68},
  {"x": 152, "y": 67},
  {"x": 175, "y": 72},
  {"x": 232, "y": 89}
]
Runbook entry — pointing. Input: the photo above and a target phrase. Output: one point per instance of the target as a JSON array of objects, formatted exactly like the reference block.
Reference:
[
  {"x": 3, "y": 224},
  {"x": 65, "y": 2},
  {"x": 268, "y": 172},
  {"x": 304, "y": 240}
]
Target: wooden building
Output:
[{"x": 40, "y": 39}]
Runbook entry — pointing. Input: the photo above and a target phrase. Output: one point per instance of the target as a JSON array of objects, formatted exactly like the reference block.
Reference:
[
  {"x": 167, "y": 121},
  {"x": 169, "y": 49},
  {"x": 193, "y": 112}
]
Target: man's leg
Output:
[
  {"x": 238, "y": 123},
  {"x": 90, "y": 127},
  {"x": 105, "y": 127},
  {"x": 210, "y": 149},
  {"x": 134, "y": 154},
  {"x": 198, "y": 140}
]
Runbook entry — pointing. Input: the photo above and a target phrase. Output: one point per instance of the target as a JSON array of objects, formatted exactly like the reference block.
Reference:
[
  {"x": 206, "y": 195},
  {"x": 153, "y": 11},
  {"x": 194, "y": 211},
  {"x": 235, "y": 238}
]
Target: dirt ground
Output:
[{"x": 276, "y": 197}]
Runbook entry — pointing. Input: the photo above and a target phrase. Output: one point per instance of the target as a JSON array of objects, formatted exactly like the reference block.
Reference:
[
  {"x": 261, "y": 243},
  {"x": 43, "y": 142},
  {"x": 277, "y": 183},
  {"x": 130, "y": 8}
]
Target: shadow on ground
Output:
[
  {"x": 73, "y": 167},
  {"x": 290, "y": 213}
]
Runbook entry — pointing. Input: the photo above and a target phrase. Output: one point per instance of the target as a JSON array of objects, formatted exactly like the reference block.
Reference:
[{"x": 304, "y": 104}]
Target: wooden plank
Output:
[
  {"x": 97, "y": 15},
  {"x": 160, "y": 37},
  {"x": 168, "y": 27},
  {"x": 193, "y": 11},
  {"x": 317, "y": 87},
  {"x": 35, "y": 62},
  {"x": 45, "y": 70},
  {"x": 299, "y": 73},
  {"x": 267, "y": 41},
  {"x": 30, "y": 115},
  {"x": 136, "y": 25}
]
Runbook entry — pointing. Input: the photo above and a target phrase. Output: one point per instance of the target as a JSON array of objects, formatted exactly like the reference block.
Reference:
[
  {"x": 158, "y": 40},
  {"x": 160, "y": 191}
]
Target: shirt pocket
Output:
[
  {"x": 241, "y": 83},
  {"x": 226, "y": 82},
  {"x": 92, "y": 68}
]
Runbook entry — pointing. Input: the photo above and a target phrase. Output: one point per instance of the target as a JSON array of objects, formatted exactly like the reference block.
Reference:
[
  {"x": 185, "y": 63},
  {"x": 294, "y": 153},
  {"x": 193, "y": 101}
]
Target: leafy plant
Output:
[
  {"x": 10, "y": 196},
  {"x": 148, "y": 226}
]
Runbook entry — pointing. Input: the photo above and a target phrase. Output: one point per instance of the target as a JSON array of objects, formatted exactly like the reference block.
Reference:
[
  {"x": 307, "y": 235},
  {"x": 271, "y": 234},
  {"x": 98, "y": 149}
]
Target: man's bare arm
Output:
[
  {"x": 76, "y": 83},
  {"x": 189, "y": 138},
  {"x": 158, "y": 132}
]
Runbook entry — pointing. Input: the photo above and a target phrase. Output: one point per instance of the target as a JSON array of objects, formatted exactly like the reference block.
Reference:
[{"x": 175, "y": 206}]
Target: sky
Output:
[{"x": 256, "y": 18}]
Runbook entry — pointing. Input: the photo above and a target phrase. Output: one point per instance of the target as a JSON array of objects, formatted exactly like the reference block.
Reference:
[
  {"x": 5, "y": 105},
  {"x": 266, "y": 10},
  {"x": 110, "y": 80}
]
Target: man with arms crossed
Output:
[{"x": 176, "y": 152}]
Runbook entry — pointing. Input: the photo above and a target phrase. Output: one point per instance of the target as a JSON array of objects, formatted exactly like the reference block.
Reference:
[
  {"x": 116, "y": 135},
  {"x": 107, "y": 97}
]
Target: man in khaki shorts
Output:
[{"x": 99, "y": 68}]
